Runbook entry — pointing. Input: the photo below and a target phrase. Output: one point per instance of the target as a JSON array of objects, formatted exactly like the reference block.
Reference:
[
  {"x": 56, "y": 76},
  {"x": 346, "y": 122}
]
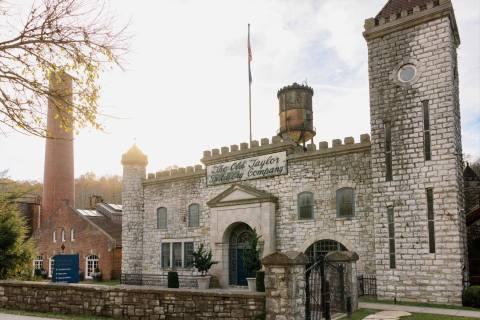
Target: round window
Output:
[{"x": 407, "y": 73}]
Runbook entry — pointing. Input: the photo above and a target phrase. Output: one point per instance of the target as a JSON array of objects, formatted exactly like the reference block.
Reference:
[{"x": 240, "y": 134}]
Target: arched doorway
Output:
[
  {"x": 238, "y": 242},
  {"x": 320, "y": 248}
]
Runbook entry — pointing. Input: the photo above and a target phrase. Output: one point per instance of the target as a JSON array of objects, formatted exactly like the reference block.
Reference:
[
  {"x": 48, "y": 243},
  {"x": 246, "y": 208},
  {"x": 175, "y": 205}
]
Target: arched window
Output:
[
  {"x": 162, "y": 218},
  {"x": 63, "y": 235},
  {"x": 91, "y": 264},
  {"x": 345, "y": 202},
  {"x": 54, "y": 236},
  {"x": 193, "y": 215},
  {"x": 72, "y": 235},
  {"x": 319, "y": 249},
  {"x": 305, "y": 205}
]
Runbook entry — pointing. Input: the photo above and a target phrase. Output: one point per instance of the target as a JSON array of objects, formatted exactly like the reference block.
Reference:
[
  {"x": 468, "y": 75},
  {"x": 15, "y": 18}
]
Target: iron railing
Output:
[
  {"x": 367, "y": 285},
  {"x": 160, "y": 280}
]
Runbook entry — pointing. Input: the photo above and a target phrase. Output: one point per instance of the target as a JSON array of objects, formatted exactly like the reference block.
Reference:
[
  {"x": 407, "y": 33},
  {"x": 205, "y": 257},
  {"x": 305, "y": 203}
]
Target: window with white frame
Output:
[
  {"x": 63, "y": 235},
  {"x": 38, "y": 263},
  {"x": 91, "y": 264},
  {"x": 72, "y": 235},
  {"x": 50, "y": 267},
  {"x": 177, "y": 253},
  {"x": 194, "y": 215},
  {"x": 54, "y": 236}
]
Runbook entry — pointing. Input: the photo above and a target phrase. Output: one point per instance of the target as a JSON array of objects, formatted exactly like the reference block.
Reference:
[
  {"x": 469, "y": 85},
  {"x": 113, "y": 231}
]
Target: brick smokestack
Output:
[{"x": 58, "y": 178}]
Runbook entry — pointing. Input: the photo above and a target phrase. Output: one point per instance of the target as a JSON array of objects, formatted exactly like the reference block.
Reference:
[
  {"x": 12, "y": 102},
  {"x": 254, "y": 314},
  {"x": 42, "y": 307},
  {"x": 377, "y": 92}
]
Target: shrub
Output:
[
  {"x": 471, "y": 297},
  {"x": 260, "y": 281},
  {"x": 173, "y": 279},
  {"x": 202, "y": 259},
  {"x": 251, "y": 255}
]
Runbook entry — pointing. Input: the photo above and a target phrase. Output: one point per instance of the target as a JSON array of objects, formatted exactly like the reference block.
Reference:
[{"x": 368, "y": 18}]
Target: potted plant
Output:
[
  {"x": 202, "y": 261},
  {"x": 251, "y": 260},
  {"x": 97, "y": 275}
]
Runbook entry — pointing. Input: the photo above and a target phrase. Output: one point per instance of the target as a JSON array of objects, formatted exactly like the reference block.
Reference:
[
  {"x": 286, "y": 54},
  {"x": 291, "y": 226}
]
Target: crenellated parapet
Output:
[
  {"x": 338, "y": 146},
  {"x": 393, "y": 20},
  {"x": 254, "y": 148},
  {"x": 176, "y": 174}
]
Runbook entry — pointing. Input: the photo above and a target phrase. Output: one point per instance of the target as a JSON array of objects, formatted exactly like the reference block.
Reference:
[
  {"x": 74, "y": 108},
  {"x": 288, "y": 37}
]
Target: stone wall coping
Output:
[
  {"x": 130, "y": 288},
  {"x": 375, "y": 28},
  {"x": 285, "y": 259}
]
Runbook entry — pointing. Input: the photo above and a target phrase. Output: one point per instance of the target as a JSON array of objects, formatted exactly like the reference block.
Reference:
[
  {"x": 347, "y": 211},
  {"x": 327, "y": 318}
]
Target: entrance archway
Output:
[
  {"x": 238, "y": 243},
  {"x": 320, "y": 248}
]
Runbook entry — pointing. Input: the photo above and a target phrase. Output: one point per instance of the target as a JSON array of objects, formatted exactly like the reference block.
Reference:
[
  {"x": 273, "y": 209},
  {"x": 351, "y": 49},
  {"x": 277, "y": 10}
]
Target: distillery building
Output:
[{"x": 393, "y": 196}]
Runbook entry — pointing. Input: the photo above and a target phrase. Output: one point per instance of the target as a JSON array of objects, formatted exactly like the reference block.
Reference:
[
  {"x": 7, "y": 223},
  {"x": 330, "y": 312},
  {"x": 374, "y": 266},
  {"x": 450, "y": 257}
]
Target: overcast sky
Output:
[{"x": 185, "y": 88}]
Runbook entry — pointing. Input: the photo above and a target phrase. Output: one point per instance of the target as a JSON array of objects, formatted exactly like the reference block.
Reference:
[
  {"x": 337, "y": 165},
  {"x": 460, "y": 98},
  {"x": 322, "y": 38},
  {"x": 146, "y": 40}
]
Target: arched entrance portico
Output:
[{"x": 238, "y": 243}]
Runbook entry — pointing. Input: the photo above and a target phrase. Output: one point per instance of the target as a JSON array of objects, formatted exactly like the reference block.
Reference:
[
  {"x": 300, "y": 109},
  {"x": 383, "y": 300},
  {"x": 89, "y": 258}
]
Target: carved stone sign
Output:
[{"x": 246, "y": 169}]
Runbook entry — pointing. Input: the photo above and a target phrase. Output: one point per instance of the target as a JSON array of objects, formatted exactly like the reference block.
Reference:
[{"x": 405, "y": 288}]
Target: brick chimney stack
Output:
[{"x": 58, "y": 178}]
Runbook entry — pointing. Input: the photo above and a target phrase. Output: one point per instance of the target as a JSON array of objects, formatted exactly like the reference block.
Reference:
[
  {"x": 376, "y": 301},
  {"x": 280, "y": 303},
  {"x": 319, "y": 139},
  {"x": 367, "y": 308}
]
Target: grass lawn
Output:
[
  {"x": 417, "y": 304},
  {"x": 424, "y": 316},
  {"x": 362, "y": 313},
  {"x": 51, "y": 315}
]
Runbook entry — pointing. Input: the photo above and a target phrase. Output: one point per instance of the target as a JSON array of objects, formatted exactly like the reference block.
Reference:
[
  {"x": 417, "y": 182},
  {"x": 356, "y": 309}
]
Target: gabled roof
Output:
[
  {"x": 103, "y": 221},
  {"x": 396, "y": 6},
  {"x": 240, "y": 194}
]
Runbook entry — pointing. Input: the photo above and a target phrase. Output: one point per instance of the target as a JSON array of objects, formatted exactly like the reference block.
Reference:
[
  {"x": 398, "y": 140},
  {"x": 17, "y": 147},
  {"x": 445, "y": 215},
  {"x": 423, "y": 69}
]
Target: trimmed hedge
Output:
[
  {"x": 260, "y": 279},
  {"x": 471, "y": 297},
  {"x": 173, "y": 279}
]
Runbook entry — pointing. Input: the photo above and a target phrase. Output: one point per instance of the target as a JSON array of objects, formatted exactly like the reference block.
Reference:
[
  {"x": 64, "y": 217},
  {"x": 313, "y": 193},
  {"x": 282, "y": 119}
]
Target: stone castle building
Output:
[
  {"x": 395, "y": 197},
  {"x": 58, "y": 227}
]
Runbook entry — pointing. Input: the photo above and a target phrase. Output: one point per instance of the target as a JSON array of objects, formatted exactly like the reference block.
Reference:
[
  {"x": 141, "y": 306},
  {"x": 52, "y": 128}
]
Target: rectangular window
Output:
[
  {"x": 162, "y": 218},
  {"x": 165, "y": 255},
  {"x": 188, "y": 254},
  {"x": 388, "y": 151},
  {"x": 177, "y": 254},
  {"x": 426, "y": 131},
  {"x": 431, "y": 220},
  {"x": 391, "y": 237}
]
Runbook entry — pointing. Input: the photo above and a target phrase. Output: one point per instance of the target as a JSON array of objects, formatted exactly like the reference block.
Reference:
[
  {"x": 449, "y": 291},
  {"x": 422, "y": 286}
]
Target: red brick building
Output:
[{"x": 94, "y": 234}]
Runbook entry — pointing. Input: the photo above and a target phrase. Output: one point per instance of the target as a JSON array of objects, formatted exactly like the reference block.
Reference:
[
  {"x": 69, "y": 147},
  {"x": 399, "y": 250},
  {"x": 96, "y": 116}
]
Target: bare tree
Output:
[{"x": 72, "y": 36}]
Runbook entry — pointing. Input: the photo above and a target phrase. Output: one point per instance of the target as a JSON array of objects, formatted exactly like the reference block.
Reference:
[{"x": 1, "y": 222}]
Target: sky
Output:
[{"x": 185, "y": 84}]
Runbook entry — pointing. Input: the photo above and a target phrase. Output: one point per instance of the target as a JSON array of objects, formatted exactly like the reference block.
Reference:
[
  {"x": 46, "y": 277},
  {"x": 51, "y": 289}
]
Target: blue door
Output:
[
  {"x": 238, "y": 244},
  {"x": 241, "y": 275}
]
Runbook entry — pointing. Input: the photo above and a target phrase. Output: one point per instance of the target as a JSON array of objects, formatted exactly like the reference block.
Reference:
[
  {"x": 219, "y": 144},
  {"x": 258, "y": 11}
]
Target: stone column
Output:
[{"x": 285, "y": 285}]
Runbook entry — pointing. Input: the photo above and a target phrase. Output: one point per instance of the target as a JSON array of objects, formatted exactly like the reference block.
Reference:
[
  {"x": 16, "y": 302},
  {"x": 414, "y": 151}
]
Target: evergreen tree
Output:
[{"x": 16, "y": 252}]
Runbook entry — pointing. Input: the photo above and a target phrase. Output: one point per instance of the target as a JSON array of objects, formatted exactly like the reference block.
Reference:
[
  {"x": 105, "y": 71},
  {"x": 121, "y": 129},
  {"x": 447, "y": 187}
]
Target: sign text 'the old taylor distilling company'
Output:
[{"x": 245, "y": 169}]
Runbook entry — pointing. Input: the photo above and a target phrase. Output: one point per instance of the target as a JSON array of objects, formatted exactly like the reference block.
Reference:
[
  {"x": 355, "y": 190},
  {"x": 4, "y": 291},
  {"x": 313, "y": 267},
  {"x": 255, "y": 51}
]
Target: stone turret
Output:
[
  {"x": 134, "y": 173},
  {"x": 417, "y": 189}
]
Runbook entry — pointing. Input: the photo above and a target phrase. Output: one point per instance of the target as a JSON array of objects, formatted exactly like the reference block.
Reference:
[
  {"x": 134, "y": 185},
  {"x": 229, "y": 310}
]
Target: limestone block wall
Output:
[
  {"x": 431, "y": 46},
  {"x": 131, "y": 303},
  {"x": 320, "y": 171},
  {"x": 132, "y": 219}
]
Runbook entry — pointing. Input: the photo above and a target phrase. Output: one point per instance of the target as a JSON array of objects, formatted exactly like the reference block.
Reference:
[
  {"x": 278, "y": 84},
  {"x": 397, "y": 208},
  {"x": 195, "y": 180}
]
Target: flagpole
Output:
[{"x": 249, "y": 85}]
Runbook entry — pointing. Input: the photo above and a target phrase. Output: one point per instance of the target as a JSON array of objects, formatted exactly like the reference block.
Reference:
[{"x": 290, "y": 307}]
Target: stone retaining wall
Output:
[{"x": 131, "y": 302}]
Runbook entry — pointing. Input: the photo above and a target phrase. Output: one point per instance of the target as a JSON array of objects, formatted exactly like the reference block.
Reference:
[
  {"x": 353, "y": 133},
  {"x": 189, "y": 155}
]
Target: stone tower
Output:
[
  {"x": 134, "y": 165},
  {"x": 58, "y": 178},
  {"x": 416, "y": 151}
]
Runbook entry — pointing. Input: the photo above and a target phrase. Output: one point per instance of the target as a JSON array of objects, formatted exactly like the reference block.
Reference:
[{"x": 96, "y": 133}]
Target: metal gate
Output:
[{"x": 325, "y": 289}]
